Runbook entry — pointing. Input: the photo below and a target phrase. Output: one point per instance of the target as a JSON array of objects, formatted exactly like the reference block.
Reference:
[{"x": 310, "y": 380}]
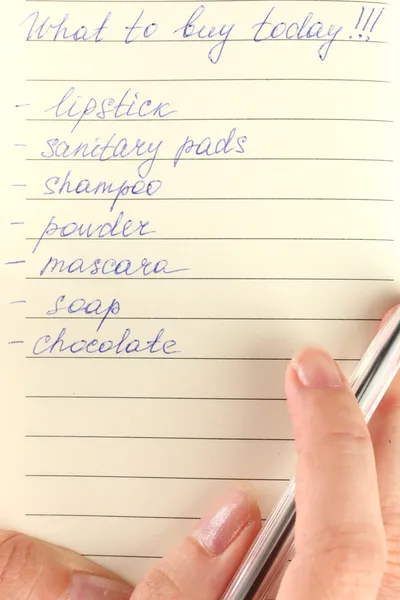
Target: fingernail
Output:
[
  {"x": 218, "y": 530},
  {"x": 89, "y": 587},
  {"x": 387, "y": 315},
  {"x": 317, "y": 370}
]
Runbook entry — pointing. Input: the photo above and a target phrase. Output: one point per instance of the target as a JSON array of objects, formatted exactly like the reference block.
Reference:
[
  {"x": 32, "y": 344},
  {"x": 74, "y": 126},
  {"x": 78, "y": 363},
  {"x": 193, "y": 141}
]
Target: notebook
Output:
[{"x": 191, "y": 192}]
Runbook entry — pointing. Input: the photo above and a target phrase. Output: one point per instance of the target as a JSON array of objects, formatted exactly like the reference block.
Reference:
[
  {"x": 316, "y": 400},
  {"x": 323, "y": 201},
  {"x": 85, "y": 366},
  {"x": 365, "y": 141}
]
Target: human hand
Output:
[{"x": 348, "y": 515}]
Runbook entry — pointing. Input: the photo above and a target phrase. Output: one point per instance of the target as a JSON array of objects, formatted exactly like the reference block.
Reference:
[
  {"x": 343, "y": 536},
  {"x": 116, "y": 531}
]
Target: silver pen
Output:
[{"x": 268, "y": 557}]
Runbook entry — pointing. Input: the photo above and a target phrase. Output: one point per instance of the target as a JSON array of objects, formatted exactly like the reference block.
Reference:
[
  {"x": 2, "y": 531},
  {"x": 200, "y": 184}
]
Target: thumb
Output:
[
  {"x": 34, "y": 570},
  {"x": 340, "y": 543}
]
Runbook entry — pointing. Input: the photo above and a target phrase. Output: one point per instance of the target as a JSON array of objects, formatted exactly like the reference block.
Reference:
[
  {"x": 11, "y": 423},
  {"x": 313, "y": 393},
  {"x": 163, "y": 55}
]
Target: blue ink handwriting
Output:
[
  {"x": 360, "y": 22},
  {"x": 111, "y": 149},
  {"x": 120, "y": 228},
  {"x": 308, "y": 28},
  {"x": 77, "y": 108},
  {"x": 44, "y": 28},
  {"x": 109, "y": 266},
  {"x": 135, "y": 31},
  {"x": 193, "y": 29},
  {"x": 198, "y": 27},
  {"x": 208, "y": 147},
  {"x": 63, "y": 185},
  {"x": 49, "y": 345},
  {"x": 80, "y": 305}
]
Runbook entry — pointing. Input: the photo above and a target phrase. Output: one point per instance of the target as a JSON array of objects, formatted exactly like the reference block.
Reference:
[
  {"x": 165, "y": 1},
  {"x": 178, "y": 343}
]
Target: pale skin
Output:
[{"x": 348, "y": 515}]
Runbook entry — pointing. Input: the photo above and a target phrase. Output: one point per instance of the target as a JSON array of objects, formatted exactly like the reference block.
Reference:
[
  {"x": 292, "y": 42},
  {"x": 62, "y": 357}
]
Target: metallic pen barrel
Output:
[{"x": 267, "y": 558}]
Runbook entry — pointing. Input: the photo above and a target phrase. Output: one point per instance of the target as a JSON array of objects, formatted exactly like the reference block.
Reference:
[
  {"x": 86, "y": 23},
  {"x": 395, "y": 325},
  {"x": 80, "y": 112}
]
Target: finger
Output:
[
  {"x": 33, "y": 570},
  {"x": 340, "y": 547},
  {"x": 201, "y": 567},
  {"x": 385, "y": 434}
]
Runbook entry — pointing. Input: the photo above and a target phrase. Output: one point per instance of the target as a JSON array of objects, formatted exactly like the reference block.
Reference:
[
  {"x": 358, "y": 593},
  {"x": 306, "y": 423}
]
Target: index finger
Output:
[{"x": 203, "y": 564}]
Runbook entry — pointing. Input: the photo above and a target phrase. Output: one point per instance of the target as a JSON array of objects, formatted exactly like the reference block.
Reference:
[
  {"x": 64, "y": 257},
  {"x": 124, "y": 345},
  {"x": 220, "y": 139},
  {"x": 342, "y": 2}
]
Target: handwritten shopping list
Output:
[{"x": 195, "y": 190}]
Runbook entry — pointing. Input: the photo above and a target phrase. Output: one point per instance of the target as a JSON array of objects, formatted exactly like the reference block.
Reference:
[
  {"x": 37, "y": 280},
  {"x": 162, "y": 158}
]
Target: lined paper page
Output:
[{"x": 190, "y": 193}]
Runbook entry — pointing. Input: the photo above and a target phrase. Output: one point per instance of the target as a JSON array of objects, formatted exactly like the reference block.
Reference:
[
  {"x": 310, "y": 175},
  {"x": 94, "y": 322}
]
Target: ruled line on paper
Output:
[
  {"x": 154, "y": 438},
  {"x": 133, "y": 556},
  {"x": 336, "y": 279},
  {"x": 201, "y": 41},
  {"x": 209, "y": 199},
  {"x": 137, "y": 517},
  {"x": 213, "y": 239},
  {"x": 221, "y": 158},
  {"x": 212, "y": 80},
  {"x": 135, "y": 318},
  {"x": 210, "y": 119},
  {"x": 177, "y": 358},
  {"x": 380, "y": 2},
  {"x": 154, "y": 477},
  {"x": 212, "y": 398},
  {"x": 88, "y": 516}
]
